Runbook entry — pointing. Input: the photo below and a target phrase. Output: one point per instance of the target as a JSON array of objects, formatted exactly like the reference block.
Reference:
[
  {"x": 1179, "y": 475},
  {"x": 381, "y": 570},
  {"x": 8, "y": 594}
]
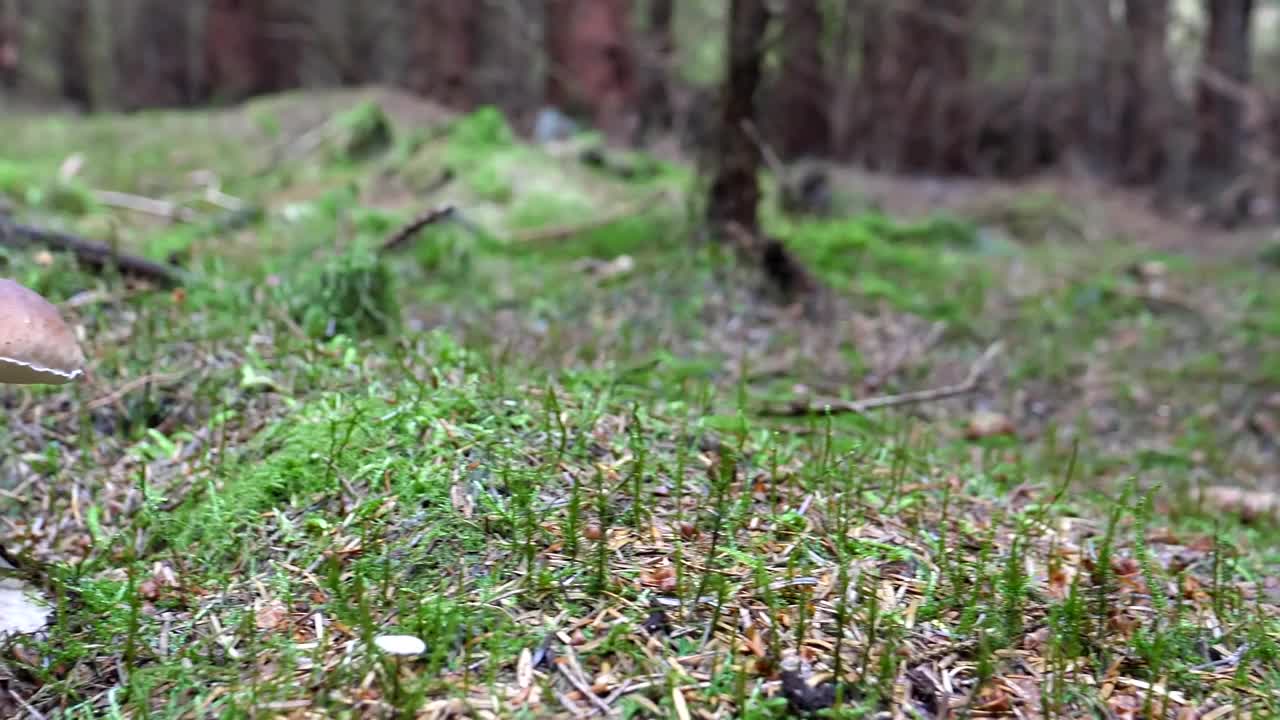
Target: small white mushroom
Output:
[
  {"x": 403, "y": 645},
  {"x": 36, "y": 344}
]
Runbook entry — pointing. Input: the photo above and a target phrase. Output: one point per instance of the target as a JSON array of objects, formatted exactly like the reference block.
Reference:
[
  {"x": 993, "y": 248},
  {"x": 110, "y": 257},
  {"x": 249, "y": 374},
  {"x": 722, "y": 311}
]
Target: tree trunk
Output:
[
  {"x": 801, "y": 99},
  {"x": 1224, "y": 78},
  {"x": 844, "y": 78},
  {"x": 591, "y": 68},
  {"x": 1043, "y": 19},
  {"x": 916, "y": 115},
  {"x": 10, "y": 43},
  {"x": 251, "y": 47},
  {"x": 74, "y": 43},
  {"x": 442, "y": 50},
  {"x": 1029, "y": 144},
  {"x": 932, "y": 46},
  {"x": 153, "y": 53},
  {"x": 558, "y": 42},
  {"x": 1100, "y": 79},
  {"x": 735, "y": 191},
  {"x": 1146, "y": 112},
  {"x": 656, "y": 112},
  {"x": 879, "y": 140}
]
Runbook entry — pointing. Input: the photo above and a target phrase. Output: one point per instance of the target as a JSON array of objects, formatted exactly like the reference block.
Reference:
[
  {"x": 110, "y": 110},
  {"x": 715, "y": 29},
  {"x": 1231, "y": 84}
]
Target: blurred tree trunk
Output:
[
  {"x": 734, "y": 197},
  {"x": 932, "y": 48},
  {"x": 10, "y": 43},
  {"x": 1043, "y": 20},
  {"x": 879, "y": 144},
  {"x": 1033, "y": 107},
  {"x": 1100, "y": 81},
  {"x": 656, "y": 112},
  {"x": 1223, "y": 79},
  {"x": 844, "y": 78},
  {"x": 442, "y": 50},
  {"x": 558, "y": 42},
  {"x": 801, "y": 98},
  {"x": 251, "y": 47},
  {"x": 590, "y": 61},
  {"x": 509, "y": 38},
  {"x": 917, "y": 113},
  {"x": 735, "y": 191},
  {"x": 154, "y": 52},
  {"x": 74, "y": 42},
  {"x": 1147, "y": 109}
]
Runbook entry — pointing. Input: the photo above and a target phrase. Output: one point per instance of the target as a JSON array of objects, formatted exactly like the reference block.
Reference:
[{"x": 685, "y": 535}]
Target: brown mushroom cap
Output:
[{"x": 36, "y": 344}]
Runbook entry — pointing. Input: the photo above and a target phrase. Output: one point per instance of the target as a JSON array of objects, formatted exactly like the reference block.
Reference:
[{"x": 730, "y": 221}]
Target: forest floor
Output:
[{"x": 582, "y": 456}]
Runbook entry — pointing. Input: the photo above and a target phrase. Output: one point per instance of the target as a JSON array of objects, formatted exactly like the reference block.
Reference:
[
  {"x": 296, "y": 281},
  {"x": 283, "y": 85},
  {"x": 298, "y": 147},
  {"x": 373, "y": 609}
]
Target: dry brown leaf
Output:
[
  {"x": 662, "y": 577},
  {"x": 270, "y": 614},
  {"x": 1125, "y": 706},
  {"x": 994, "y": 700}
]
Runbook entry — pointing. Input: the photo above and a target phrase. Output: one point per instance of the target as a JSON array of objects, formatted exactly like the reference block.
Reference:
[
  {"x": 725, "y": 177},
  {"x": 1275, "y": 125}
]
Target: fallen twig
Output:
[
  {"x": 95, "y": 254},
  {"x": 134, "y": 384},
  {"x": 35, "y": 714},
  {"x": 148, "y": 206},
  {"x": 579, "y": 685},
  {"x": 397, "y": 239},
  {"x": 560, "y": 232},
  {"x": 825, "y": 406},
  {"x": 214, "y": 196}
]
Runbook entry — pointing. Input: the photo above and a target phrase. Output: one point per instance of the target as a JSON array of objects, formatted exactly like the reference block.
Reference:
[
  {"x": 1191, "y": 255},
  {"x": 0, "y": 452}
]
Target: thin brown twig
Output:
[
  {"x": 89, "y": 252},
  {"x": 119, "y": 393},
  {"x": 35, "y": 714},
  {"x": 581, "y": 686},
  {"x": 401, "y": 236},
  {"x": 825, "y": 406}
]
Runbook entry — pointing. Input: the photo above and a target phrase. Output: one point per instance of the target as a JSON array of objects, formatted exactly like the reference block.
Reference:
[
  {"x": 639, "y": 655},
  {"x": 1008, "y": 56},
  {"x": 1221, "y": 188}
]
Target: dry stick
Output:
[
  {"x": 560, "y": 232},
  {"x": 135, "y": 384},
  {"x": 582, "y": 687},
  {"x": 834, "y": 406},
  {"x": 397, "y": 239},
  {"x": 444, "y": 212},
  {"x": 35, "y": 714},
  {"x": 148, "y": 206},
  {"x": 95, "y": 254},
  {"x": 214, "y": 196}
]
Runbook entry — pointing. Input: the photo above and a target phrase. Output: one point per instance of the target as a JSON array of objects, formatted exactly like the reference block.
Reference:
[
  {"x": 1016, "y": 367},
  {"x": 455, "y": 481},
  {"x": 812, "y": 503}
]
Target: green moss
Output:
[
  {"x": 485, "y": 128},
  {"x": 489, "y": 184},
  {"x": 445, "y": 249},
  {"x": 312, "y": 460},
  {"x": 16, "y": 180},
  {"x": 920, "y": 267},
  {"x": 25, "y": 185},
  {"x": 364, "y": 132},
  {"x": 542, "y": 208},
  {"x": 352, "y": 294}
]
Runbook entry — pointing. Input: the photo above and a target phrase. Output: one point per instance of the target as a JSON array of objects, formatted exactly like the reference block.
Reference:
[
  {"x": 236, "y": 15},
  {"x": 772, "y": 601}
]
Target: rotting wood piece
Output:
[{"x": 94, "y": 254}]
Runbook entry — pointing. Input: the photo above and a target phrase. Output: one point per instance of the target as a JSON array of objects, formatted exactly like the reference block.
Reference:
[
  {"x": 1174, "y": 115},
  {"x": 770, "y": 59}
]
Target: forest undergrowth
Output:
[{"x": 582, "y": 456}]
